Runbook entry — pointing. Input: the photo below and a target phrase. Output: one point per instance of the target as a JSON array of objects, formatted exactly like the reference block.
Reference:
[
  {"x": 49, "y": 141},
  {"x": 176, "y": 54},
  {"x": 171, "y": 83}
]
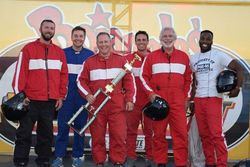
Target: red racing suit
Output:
[
  {"x": 97, "y": 73},
  {"x": 48, "y": 66},
  {"x": 42, "y": 73},
  {"x": 136, "y": 117},
  {"x": 170, "y": 77}
]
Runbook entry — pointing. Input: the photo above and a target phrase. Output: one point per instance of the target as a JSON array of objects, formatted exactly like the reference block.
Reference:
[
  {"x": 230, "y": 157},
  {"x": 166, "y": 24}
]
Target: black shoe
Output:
[
  {"x": 130, "y": 162},
  {"x": 149, "y": 163},
  {"x": 43, "y": 164},
  {"x": 21, "y": 164},
  {"x": 100, "y": 165},
  {"x": 117, "y": 164},
  {"x": 161, "y": 165},
  {"x": 210, "y": 166}
]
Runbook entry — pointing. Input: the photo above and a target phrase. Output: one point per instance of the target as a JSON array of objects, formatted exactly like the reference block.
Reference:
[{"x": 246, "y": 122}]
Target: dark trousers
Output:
[{"x": 41, "y": 112}]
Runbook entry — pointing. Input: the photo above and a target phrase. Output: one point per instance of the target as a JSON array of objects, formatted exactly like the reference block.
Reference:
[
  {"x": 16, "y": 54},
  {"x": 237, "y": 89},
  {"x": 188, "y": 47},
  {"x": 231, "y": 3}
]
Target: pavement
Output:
[{"x": 6, "y": 161}]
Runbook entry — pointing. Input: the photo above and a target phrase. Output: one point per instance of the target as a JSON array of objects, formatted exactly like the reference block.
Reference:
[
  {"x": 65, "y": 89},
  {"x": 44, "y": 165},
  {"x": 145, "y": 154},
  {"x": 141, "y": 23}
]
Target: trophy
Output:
[{"x": 108, "y": 90}]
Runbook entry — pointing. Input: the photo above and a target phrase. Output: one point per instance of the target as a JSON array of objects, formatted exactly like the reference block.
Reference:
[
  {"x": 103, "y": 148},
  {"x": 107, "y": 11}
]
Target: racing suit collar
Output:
[
  {"x": 43, "y": 44},
  {"x": 104, "y": 59},
  {"x": 140, "y": 54},
  {"x": 172, "y": 53}
]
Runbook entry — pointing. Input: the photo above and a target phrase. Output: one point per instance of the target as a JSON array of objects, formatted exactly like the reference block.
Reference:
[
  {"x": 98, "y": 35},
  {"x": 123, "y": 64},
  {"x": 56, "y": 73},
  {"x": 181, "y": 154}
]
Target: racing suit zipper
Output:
[
  {"x": 169, "y": 61},
  {"x": 46, "y": 69}
]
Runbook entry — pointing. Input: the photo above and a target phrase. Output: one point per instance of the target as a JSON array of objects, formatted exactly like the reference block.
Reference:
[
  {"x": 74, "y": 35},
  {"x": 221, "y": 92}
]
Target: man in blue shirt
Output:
[{"x": 76, "y": 55}]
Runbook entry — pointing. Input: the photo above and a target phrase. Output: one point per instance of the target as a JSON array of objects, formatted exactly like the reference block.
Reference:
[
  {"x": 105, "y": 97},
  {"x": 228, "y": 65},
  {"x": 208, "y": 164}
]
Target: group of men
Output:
[{"x": 56, "y": 79}]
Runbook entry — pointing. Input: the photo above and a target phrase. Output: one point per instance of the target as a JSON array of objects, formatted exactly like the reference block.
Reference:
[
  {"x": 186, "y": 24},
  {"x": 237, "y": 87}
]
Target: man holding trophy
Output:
[{"x": 105, "y": 70}]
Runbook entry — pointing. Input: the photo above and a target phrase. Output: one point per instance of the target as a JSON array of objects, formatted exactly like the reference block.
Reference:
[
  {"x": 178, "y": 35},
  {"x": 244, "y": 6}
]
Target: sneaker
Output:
[
  {"x": 44, "y": 164},
  {"x": 161, "y": 165},
  {"x": 130, "y": 162},
  {"x": 149, "y": 163},
  {"x": 21, "y": 164},
  {"x": 99, "y": 165},
  {"x": 77, "y": 162},
  {"x": 117, "y": 164},
  {"x": 58, "y": 162}
]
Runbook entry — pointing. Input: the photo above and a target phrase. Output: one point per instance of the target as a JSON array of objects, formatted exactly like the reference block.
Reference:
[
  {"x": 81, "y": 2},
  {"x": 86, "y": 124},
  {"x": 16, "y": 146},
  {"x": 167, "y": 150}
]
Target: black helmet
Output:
[
  {"x": 13, "y": 108},
  {"x": 158, "y": 110},
  {"x": 226, "y": 81}
]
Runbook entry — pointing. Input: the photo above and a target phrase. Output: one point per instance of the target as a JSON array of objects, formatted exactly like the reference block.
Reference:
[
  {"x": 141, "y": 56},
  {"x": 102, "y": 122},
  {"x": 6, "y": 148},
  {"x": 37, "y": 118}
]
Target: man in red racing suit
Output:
[
  {"x": 98, "y": 71},
  {"x": 136, "y": 117},
  {"x": 166, "y": 73},
  {"x": 42, "y": 74}
]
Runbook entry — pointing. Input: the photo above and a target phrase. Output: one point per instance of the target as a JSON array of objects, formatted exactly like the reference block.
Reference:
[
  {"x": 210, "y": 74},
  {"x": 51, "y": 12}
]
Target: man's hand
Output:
[
  {"x": 152, "y": 97},
  {"x": 235, "y": 92},
  {"x": 90, "y": 98},
  {"x": 129, "y": 106},
  {"x": 26, "y": 101},
  {"x": 59, "y": 104},
  {"x": 189, "y": 108}
]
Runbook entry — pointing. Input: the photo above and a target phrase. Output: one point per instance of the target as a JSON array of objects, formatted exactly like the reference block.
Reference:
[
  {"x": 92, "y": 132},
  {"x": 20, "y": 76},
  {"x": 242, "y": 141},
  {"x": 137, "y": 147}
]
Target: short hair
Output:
[
  {"x": 166, "y": 29},
  {"x": 141, "y": 32},
  {"x": 47, "y": 20},
  {"x": 207, "y": 31},
  {"x": 102, "y": 33},
  {"x": 78, "y": 28}
]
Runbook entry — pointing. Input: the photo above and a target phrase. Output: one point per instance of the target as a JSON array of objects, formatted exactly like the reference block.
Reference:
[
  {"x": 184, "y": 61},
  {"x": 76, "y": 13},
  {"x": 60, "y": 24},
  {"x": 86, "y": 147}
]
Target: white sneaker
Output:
[
  {"x": 58, "y": 162},
  {"x": 77, "y": 162}
]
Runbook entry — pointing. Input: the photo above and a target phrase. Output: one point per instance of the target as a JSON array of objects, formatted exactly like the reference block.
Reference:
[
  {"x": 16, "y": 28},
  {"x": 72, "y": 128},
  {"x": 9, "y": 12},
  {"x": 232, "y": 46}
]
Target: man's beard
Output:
[
  {"x": 205, "y": 49},
  {"x": 46, "y": 38},
  {"x": 167, "y": 45}
]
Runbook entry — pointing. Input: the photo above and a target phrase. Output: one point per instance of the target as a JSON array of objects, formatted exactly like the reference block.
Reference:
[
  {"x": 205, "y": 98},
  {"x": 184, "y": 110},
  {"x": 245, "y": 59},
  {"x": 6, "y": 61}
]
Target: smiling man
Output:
[
  {"x": 42, "y": 74},
  {"x": 75, "y": 55},
  {"x": 136, "y": 117},
  {"x": 206, "y": 66},
  {"x": 166, "y": 73},
  {"x": 97, "y": 72}
]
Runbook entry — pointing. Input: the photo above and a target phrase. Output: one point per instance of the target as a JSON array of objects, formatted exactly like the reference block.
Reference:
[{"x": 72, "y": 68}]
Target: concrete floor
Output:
[{"x": 6, "y": 161}]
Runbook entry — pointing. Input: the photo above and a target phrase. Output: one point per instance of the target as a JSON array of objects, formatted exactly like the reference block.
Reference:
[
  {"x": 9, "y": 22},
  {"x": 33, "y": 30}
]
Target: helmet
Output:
[
  {"x": 13, "y": 108},
  {"x": 226, "y": 81},
  {"x": 158, "y": 110}
]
